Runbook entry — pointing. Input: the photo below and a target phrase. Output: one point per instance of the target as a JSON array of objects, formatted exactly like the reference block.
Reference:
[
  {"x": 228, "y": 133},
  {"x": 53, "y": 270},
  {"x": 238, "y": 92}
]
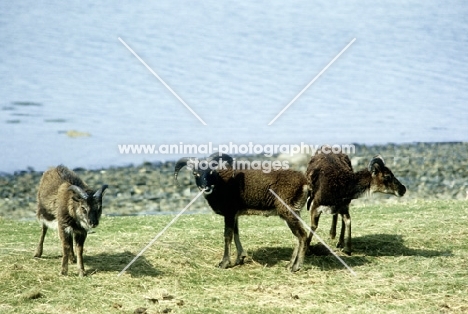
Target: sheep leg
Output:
[
  {"x": 80, "y": 238},
  {"x": 345, "y": 234},
  {"x": 71, "y": 253},
  {"x": 333, "y": 227},
  {"x": 229, "y": 226},
  {"x": 340, "y": 243},
  {"x": 309, "y": 202},
  {"x": 241, "y": 255},
  {"x": 297, "y": 258},
  {"x": 67, "y": 248},
  {"x": 40, "y": 246},
  {"x": 314, "y": 220}
]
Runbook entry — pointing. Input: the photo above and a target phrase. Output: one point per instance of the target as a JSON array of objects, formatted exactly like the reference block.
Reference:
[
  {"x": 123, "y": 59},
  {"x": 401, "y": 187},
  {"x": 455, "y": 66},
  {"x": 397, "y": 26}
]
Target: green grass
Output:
[{"x": 409, "y": 258}]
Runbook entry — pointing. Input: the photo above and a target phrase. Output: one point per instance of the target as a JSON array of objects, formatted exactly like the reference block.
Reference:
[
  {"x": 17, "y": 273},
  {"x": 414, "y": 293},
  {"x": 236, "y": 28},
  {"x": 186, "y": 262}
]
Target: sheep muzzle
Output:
[
  {"x": 207, "y": 190},
  {"x": 400, "y": 191}
]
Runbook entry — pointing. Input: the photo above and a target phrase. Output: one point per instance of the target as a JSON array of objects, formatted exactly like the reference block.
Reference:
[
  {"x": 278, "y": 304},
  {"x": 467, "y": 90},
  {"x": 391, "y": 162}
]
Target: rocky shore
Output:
[{"x": 429, "y": 171}]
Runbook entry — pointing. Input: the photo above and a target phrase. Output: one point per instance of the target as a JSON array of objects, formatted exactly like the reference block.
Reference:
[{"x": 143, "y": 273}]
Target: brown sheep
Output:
[
  {"x": 334, "y": 184},
  {"x": 231, "y": 193},
  {"x": 65, "y": 202}
]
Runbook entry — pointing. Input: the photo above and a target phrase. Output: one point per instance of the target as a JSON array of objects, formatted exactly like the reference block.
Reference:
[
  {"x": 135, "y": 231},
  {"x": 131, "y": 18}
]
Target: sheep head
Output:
[
  {"x": 205, "y": 171},
  {"x": 383, "y": 180},
  {"x": 88, "y": 208}
]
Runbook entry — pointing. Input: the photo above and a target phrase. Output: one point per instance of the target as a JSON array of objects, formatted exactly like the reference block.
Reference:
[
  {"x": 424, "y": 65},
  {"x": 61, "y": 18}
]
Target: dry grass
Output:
[{"x": 408, "y": 258}]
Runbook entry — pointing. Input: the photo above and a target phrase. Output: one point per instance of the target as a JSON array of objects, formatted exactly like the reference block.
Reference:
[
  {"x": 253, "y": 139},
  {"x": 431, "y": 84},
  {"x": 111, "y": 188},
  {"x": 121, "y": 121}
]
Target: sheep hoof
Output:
[
  {"x": 294, "y": 268},
  {"x": 347, "y": 251},
  {"x": 339, "y": 245},
  {"x": 240, "y": 260},
  {"x": 224, "y": 264}
]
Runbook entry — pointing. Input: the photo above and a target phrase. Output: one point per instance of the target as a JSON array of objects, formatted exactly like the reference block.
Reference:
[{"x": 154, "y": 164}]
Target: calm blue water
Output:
[{"x": 237, "y": 64}]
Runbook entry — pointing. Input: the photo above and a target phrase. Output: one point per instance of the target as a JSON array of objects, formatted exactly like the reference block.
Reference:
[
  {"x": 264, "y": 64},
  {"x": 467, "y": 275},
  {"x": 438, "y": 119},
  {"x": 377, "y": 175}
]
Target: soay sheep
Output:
[
  {"x": 65, "y": 202},
  {"x": 334, "y": 184},
  {"x": 234, "y": 192}
]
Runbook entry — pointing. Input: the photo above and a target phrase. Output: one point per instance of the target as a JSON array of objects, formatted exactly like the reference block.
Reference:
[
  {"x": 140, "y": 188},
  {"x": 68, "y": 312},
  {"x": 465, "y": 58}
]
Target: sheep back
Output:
[
  {"x": 329, "y": 177},
  {"x": 250, "y": 190}
]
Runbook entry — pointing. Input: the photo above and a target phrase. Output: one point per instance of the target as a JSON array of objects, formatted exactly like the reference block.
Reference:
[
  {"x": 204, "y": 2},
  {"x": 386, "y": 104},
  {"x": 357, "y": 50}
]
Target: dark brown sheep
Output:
[
  {"x": 231, "y": 193},
  {"x": 334, "y": 184},
  {"x": 65, "y": 202}
]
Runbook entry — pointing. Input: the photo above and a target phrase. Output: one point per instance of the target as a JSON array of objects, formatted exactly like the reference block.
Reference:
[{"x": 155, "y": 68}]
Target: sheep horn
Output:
[
  {"x": 182, "y": 162},
  {"x": 223, "y": 157},
  {"x": 79, "y": 191},
  {"x": 98, "y": 193},
  {"x": 376, "y": 160}
]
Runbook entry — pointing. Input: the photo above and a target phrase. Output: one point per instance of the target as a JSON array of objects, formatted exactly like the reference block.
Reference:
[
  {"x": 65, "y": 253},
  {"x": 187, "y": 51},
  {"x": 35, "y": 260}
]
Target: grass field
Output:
[{"x": 409, "y": 258}]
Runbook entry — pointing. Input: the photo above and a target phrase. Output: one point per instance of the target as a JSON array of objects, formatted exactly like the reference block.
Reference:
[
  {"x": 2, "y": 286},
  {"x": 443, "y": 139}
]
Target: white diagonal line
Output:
[
  {"x": 311, "y": 82},
  {"x": 159, "y": 234},
  {"x": 161, "y": 80},
  {"x": 310, "y": 229}
]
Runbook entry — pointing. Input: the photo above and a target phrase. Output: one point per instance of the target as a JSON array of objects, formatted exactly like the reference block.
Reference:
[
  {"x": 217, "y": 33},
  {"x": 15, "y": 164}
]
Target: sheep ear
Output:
[
  {"x": 78, "y": 191},
  {"x": 376, "y": 164}
]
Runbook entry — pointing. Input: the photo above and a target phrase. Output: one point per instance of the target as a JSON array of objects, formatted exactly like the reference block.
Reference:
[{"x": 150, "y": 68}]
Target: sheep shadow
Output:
[
  {"x": 391, "y": 245},
  {"x": 318, "y": 256},
  {"x": 116, "y": 262},
  {"x": 372, "y": 245}
]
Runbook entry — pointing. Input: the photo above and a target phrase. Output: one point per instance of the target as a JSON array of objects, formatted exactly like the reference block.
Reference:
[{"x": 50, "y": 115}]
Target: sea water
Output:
[{"x": 71, "y": 92}]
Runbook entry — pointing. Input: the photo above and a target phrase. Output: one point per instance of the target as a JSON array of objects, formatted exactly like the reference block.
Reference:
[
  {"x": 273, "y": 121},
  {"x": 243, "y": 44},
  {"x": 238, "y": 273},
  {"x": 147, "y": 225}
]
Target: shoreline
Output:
[{"x": 429, "y": 171}]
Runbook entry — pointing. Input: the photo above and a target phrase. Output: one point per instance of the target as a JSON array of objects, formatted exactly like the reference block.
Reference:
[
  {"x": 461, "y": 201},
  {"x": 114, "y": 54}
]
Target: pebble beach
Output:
[{"x": 428, "y": 170}]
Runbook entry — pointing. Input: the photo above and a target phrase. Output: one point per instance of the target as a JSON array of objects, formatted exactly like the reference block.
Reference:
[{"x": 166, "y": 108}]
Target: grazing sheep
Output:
[
  {"x": 65, "y": 202},
  {"x": 333, "y": 185},
  {"x": 231, "y": 193}
]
